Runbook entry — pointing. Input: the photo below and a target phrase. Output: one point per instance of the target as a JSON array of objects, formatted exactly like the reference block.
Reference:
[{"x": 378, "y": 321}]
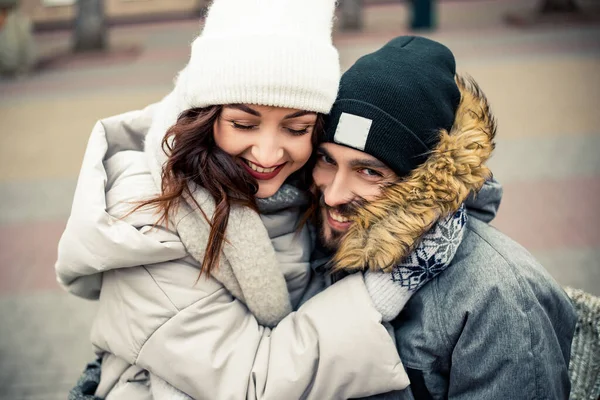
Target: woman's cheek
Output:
[{"x": 305, "y": 149}]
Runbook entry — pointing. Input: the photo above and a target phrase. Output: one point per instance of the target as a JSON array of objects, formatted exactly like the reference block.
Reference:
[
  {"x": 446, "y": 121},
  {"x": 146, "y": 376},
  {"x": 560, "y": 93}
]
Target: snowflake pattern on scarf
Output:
[{"x": 433, "y": 254}]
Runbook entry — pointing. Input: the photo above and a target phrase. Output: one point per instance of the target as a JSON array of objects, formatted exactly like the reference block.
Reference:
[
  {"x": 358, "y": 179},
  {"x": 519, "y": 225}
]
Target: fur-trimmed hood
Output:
[{"x": 386, "y": 230}]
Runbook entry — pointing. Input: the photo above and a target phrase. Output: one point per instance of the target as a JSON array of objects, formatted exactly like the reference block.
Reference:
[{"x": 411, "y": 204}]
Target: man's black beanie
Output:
[{"x": 393, "y": 103}]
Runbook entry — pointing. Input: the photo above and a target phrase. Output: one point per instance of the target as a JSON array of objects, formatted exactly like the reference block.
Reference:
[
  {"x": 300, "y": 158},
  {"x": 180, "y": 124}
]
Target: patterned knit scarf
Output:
[
  {"x": 390, "y": 291},
  {"x": 433, "y": 254}
]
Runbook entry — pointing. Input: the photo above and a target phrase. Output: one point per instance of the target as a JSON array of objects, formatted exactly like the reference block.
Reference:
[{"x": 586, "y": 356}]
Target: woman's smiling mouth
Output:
[{"x": 262, "y": 173}]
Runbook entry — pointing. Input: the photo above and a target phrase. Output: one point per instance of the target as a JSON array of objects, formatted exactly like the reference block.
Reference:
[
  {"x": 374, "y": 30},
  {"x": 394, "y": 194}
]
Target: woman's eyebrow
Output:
[
  {"x": 298, "y": 114},
  {"x": 244, "y": 108}
]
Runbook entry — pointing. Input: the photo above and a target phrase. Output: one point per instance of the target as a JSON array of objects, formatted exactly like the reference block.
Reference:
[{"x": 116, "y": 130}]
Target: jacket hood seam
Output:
[{"x": 160, "y": 288}]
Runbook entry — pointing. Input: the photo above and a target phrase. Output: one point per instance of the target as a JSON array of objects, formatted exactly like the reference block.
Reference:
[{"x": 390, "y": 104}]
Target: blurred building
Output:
[{"x": 45, "y": 13}]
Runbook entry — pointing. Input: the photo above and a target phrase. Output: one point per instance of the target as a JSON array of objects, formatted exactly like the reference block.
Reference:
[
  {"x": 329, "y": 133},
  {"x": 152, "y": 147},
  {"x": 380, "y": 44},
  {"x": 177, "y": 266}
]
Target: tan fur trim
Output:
[{"x": 385, "y": 231}]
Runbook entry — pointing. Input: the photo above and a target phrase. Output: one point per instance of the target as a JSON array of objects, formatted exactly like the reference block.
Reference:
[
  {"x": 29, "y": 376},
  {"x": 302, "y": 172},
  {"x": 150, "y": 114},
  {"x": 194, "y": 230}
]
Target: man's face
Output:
[{"x": 343, "y": 176}]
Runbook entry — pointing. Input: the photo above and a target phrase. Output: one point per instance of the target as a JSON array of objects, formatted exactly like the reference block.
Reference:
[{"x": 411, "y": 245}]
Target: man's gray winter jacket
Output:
[{"x": 494, "y": 325}]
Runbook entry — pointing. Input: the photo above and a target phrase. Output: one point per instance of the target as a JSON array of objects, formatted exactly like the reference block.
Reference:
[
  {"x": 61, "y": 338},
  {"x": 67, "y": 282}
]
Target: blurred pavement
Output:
[{"x": 543, "y": 84}]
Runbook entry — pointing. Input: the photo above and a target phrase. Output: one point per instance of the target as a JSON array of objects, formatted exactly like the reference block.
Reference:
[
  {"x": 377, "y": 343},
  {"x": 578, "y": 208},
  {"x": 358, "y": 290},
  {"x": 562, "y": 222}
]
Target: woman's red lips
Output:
[{"x": 263, "y": 176}]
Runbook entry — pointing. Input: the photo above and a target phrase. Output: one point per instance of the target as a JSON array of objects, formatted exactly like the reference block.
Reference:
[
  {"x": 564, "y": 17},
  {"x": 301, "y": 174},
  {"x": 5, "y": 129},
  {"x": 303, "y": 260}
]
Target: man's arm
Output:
[{"x": 513, "y": 344}]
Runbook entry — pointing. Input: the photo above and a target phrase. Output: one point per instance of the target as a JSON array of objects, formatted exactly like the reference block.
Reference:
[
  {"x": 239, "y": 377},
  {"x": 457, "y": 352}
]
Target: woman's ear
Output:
[{"x": 216, "y": 124}]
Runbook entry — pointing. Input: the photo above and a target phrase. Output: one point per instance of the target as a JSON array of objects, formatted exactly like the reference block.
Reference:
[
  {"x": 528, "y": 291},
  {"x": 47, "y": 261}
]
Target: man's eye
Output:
[
  {"x": 326, "y": 159},
  {"x": 242, "y": 126},
  {"x": 371, "y": 172}
]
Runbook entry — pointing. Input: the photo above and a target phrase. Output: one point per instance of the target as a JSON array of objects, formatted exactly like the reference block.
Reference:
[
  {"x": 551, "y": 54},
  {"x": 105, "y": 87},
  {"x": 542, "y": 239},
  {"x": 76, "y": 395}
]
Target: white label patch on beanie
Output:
[{"x": 353, "y": 131}]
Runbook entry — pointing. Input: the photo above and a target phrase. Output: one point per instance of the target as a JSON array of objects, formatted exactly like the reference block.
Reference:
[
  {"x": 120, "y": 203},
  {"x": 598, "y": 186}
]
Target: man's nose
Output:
[
  {"x": 338, "y": 192},
  {"x": 267, "y": 150}
]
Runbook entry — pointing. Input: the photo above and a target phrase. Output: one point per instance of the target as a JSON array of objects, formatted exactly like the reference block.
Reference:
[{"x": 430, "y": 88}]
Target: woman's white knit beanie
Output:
[{"x": 264, "y": 52}]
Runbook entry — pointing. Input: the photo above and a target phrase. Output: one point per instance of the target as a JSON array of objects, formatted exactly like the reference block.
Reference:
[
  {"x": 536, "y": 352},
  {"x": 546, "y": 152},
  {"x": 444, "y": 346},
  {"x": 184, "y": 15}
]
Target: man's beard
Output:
[{"x": 330, "y": 238}]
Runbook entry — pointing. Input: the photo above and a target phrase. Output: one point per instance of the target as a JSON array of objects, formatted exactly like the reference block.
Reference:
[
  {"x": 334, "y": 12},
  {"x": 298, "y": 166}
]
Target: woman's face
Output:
[{"x": 270, "y": 142}]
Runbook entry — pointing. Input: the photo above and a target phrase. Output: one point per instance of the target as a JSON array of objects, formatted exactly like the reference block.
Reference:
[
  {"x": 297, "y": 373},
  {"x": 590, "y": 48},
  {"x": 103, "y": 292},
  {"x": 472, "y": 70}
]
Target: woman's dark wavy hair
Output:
[{"x": 193, "y": 157}]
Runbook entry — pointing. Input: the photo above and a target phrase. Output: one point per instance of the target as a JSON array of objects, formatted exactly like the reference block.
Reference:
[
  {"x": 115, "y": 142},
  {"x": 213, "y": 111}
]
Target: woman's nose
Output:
[{"x": 267, "y": 151}]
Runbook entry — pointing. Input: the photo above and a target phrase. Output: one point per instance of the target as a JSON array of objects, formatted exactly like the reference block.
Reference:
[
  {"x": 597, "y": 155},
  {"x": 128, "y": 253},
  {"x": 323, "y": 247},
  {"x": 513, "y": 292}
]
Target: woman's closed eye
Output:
[
  {"x": 298, "y": 131},
  {"x": 241, "y": 126}
]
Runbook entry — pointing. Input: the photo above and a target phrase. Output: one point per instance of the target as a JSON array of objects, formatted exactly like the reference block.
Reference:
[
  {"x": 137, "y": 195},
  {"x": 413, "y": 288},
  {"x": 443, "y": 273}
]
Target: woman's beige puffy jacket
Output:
[{"x": 154, "y": 316}]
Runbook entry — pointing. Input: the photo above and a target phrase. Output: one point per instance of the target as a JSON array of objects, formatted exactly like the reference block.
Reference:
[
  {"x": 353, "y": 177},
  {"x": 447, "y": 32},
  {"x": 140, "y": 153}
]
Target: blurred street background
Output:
[{"x": 541, "y": 74}]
